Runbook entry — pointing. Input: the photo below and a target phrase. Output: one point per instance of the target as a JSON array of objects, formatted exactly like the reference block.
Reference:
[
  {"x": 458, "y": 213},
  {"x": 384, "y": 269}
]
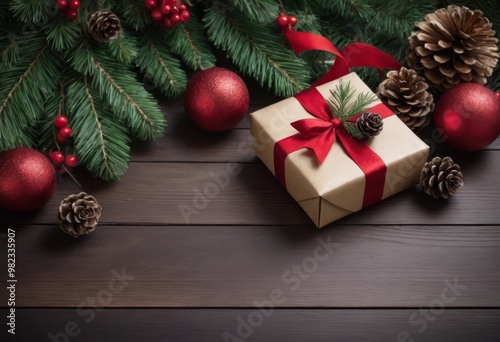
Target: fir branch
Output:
[
  {"x": 257, "y": 51},
  {"x": 45, "y": 129},
  {"x": 158, "y": 64},
  {"x": 34, "y": 11},
  {"x": 124, "y": 49},
  {"x": 341, "y": 101},
  {"x": 61, "y": 33},
  {"x": 101, "y": 142},
  {"x": 260, "y": 11},
  {"x": 352, "y": 130},
  {"x": 9, "y": 51},
  {"x": 190, "y": 43},
  {"x": 24, "y": 90},
  {"x": 128, "y": 99},
  {"x": 134, "y": 14}
]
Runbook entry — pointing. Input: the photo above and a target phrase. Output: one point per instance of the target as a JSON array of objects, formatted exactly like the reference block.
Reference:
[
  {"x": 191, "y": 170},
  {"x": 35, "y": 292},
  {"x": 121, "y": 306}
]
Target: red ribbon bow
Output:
[{"x": 319, "y": 134}]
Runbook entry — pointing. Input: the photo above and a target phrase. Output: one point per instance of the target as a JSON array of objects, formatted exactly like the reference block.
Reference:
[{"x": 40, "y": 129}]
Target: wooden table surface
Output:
[{"x": 246, "y": 264}]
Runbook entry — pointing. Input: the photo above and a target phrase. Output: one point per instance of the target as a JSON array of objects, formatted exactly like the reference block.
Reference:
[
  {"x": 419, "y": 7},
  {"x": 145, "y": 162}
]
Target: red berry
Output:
[
  {"x": 185, "y": 15},
  {"x": 57, "y": 157},
  {"x": 60, "y": 139},
  {"x": 61, "y": 121},
  {"x": 62, "y": 4},
  {"x": 65, "y": 132},
  {"x": 282, "y": 20},
  {"x": 166, "y": 23},
  {"x": 74, "y": 4},
  {"x": 292, "y": 20},
  {"x": 150, "y": 4},
  {"x": 156, "y": 15},
  {"x": 71, "y": 161},
  {"x": 165, "y": 9},
  {"x": 182, "y": 7},
  {"x": 71, "y": 14},
  {"x": 176, "y": 18}
]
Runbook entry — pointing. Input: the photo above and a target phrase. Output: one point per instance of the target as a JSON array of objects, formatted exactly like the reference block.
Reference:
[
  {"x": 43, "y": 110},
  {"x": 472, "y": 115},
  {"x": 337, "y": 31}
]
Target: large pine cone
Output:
[
  {"x": 79, "y": 214},
  {"x": 103, "y": 26},
  {"x": 453, "y": 45},
  {"x": 407, "y": 95},
  {"x": 441, "y": 177},
  {"x": 369, "y": 124}
]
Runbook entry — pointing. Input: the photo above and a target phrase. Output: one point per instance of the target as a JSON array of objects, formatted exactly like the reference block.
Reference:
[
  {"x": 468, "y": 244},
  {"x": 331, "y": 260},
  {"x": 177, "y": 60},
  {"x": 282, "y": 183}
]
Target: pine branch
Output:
[
  {"x": 260, "y": 11},
  {"x": 100, "y": 141},
  {"x": 134, "y": 14},
  {"x": 124, "y": 49},
  {"x": 46, "y": 139},
  {"x": 24, "y": 90},
  {"x": 126, "y": 96},
  {"x": 257, "y": 51},
  {"x": 34, "y": 11},
  {"x": 190, "y": 43},
  {"x": 341, "y": 101},
  {"x": 158, "y": 64},
  {"x": 61, "y": 33}
]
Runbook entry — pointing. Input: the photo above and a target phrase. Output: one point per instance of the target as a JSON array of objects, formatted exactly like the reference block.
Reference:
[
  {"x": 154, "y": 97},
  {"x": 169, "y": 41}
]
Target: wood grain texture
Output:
[
  {"x": 227, "y": 266},
  {"x": 171, "y": 193},
  {"x": 282, "y": 325}
]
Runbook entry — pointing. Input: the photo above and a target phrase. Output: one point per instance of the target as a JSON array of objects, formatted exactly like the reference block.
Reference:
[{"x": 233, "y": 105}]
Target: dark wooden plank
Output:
[
  {"x": 184, "y": 142},
  {"x": 282, "y": 325},
  {"x": 159, "y": 193},
  {"x": 218, "y": 266}
]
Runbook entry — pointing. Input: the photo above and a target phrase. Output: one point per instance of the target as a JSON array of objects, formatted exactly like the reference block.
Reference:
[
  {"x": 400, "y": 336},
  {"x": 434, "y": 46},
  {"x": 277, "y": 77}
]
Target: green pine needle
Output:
[
  {"x": 189, "y": 42},
  {"x": 258, "y": 51},
  {"x": 124, "y": 48},
  {"x": 61, "y": 33},
  {"x": 160, "y": 66},
  {"x": 100, "y": 141},
  {"x": 342, "y": 104},
  {"x": 24, "y": 90}
]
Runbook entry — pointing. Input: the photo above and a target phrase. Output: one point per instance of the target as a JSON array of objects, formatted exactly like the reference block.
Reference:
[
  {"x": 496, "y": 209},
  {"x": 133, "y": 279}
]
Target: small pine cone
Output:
[
  {"x": 441, "y": 177},
  {"x": 369, "y": 124},
  {"x": 103, "y": 26},
  {"x": 407, "y": 95},
  {"x": 79, "y": 214},
  {"x": 453, "y": 45}
]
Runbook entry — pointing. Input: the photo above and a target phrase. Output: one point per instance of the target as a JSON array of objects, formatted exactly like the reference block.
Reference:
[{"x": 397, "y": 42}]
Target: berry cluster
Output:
[
  {"x": 284, "y": 20},
  {"x": 69, "y": 8},
  {"x": 167, "y": 12},
  {"x": 63, "y": 133}
]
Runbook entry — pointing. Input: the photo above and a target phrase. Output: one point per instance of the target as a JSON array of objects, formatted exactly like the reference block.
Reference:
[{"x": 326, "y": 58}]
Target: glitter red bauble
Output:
[
  {"x": 216, "y": 99},
  {"x": 469, "y": 115},
  {"x": 27, "y": 179}
]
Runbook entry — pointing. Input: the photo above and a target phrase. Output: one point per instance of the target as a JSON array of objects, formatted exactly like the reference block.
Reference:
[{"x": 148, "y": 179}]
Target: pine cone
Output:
[
  {"x": 79, "y": 214},
  {"x": 441, "y": 177},
  {"x": 369, "y": 124},
  {"x": 453, "y": 45},
  {"x": 103, "y": 26},
  {"x": 405, "y": 93}
]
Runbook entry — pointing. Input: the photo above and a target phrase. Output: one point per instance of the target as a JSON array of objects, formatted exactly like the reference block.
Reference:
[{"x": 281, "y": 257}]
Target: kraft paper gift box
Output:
[{"x": 335, "y": 188}]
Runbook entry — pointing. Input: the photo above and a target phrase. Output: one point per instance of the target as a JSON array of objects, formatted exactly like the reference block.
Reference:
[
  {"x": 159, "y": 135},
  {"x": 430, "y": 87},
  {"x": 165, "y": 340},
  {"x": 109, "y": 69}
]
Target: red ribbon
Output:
[{"x": 319, "y": 134}]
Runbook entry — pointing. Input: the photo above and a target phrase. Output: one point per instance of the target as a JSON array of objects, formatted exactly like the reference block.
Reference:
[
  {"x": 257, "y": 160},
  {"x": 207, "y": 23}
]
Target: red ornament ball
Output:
[
  {"x": 216, "y": 99},
  {"x": 27, "y": 179},
  {"x": 469, "y": 115}
]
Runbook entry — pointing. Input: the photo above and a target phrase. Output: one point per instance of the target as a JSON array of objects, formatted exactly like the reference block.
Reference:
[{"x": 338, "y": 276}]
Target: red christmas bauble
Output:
[
  {"x": 216, "y": 99},
  {"x": 27, "y": 179},
  {"x": 469, "y": 115}
]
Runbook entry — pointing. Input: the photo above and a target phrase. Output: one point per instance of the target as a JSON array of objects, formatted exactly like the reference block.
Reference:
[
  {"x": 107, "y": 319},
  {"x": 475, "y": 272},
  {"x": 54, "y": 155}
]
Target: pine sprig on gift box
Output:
[{"x": 344, "y": 106}]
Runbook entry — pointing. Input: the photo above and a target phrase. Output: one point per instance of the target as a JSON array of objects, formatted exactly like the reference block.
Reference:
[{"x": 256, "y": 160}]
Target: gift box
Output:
[{"x": 334, "y": 182}]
